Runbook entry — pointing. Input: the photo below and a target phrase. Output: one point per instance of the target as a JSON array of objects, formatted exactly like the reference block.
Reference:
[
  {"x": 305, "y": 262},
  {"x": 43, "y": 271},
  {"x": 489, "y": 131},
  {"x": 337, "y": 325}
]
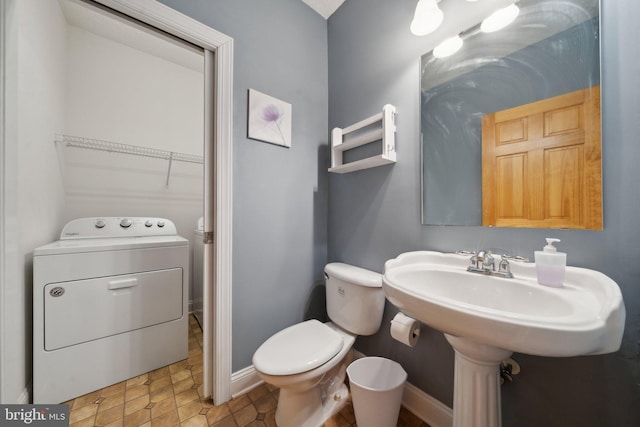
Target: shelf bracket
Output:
[{"x": 169, "y": 169}]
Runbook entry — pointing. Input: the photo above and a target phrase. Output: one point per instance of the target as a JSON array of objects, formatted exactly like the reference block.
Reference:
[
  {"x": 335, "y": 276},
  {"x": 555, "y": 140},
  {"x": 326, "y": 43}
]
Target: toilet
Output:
[{"x": 308, "y": 361}]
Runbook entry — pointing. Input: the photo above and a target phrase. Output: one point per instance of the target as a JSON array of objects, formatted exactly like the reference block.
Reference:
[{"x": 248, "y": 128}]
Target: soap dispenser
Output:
[{"x": 550, "y": 265}]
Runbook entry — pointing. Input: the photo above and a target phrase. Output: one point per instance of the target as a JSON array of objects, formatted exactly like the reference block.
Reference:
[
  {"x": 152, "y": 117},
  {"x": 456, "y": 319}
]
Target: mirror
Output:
[{"x": 551, "y": 49}]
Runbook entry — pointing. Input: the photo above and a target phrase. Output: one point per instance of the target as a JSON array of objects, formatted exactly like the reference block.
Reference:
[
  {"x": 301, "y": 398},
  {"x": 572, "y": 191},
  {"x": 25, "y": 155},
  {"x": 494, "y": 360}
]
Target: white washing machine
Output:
[{"x": 109, "y": 303}]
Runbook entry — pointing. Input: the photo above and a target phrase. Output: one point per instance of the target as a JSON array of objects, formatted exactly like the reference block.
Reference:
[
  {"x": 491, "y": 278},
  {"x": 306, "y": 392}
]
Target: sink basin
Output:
[
  {"x": 486, "y": 318},
  {"x": 586, "y": 316}
]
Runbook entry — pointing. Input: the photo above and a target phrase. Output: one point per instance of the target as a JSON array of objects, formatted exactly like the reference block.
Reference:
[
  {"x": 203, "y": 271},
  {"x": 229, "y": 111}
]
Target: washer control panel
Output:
[{"x": 95, "y": 228}]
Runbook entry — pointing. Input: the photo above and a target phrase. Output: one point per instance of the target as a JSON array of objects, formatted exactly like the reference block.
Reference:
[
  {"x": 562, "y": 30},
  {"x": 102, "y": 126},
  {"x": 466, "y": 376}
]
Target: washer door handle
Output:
[{"x": 124, "y": 283}]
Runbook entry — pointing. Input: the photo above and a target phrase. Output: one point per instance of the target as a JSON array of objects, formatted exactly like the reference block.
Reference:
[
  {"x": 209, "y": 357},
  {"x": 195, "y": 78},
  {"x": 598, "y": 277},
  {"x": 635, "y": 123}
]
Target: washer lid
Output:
[
  {"x": 298, "y": 348},
  {"x": 61, "y": 247}
]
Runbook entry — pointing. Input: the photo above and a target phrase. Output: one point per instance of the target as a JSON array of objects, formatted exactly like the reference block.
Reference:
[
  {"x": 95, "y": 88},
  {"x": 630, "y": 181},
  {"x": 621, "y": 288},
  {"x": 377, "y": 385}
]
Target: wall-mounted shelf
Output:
[
  {"x": 383, "y": 128},
  {"x": 135, "y": 150}
]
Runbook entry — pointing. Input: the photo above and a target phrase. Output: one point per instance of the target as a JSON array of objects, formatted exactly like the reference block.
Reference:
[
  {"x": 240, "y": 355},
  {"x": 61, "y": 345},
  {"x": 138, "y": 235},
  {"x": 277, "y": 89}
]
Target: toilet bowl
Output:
[
  {"x": 308, "y": 395},
  {"x": 308, "y": 361}
]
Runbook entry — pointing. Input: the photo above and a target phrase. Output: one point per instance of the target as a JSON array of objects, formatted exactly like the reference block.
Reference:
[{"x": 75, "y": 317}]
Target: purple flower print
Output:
[{"x": 272, "y": 114}]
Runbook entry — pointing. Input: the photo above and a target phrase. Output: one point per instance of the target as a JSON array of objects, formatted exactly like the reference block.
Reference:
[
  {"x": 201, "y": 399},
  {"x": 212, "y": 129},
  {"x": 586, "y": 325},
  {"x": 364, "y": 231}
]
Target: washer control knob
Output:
[
  {"x": 148, "y": 224},
  {"x": 126, "y": 223},
  {"x": 160, "y": 224},
  {"x": 100, "y": 223}
]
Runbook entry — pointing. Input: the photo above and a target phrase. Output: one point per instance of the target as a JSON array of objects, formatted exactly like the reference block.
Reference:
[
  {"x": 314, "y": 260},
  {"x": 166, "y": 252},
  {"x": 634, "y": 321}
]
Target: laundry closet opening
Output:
[{"x": 131, "y": 143}]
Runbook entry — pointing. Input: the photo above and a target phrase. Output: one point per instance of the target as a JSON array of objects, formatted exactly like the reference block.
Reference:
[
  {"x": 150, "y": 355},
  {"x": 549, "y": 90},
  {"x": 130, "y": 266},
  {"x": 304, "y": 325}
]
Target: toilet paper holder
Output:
[{"x": 405, "y": 329}]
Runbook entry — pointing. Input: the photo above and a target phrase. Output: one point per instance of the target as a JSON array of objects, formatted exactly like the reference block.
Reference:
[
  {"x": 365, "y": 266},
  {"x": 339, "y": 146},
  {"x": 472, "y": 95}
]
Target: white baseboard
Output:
[
  {"x": 426, "y": 407},
  {"x": 244, "y": 381},
  {"x": 421, "y": 404}
]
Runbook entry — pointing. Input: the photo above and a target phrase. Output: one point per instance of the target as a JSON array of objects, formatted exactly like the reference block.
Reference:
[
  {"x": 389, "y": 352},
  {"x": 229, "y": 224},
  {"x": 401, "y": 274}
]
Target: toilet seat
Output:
[{"x": 298, "y": 348}]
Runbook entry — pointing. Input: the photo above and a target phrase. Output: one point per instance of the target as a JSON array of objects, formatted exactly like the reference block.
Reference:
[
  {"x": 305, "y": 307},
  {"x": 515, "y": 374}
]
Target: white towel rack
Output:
[
  {"x": 115, "y": 147},
  {"x": 385, "y": 132}
]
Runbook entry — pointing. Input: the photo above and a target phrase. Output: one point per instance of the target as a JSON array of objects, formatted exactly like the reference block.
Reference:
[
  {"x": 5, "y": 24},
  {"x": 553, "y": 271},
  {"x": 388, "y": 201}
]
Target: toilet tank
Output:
[{"x": 355, "y": 300}]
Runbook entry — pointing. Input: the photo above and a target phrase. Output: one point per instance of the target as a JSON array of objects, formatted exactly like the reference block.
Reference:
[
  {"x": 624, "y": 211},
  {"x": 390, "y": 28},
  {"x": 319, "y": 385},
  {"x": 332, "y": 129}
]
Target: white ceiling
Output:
[
  {"x": 324, "y": 7},
  {"x": 95, "y": 20},
  {"x": 120, "y": 30}
]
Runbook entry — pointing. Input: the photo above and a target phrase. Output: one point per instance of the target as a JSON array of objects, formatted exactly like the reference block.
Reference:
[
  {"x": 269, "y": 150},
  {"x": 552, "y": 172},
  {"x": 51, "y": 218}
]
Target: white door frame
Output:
[
  {"x": 219, "y": 165},
  {"x": 218, "y": 171},
  {"x": 11, "y": 262},
  {"x": 4, "y": 260}
]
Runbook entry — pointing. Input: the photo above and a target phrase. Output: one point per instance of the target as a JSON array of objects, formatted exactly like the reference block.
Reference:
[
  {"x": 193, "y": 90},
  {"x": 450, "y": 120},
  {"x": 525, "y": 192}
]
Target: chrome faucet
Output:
[{"x": 484, "y": 263}]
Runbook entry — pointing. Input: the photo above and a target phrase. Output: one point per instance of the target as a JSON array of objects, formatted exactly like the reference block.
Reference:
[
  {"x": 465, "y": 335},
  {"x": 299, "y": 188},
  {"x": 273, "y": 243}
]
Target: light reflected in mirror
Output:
[{"x": 551, "y": 49}]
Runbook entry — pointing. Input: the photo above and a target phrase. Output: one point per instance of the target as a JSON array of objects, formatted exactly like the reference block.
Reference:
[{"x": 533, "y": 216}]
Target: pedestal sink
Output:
[{"x": 486, "y": 318}]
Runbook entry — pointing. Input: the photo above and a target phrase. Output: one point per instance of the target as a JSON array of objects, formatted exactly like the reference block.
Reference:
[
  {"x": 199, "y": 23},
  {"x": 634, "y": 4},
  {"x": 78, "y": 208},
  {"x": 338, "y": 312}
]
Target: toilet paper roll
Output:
[{"x": 405, "y": 329}]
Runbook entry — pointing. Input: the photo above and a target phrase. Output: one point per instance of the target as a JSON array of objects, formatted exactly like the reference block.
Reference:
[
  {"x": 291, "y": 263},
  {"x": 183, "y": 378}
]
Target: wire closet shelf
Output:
[
  {"x": 115, "y": 147},
  {"x": 135, "y": 150}
]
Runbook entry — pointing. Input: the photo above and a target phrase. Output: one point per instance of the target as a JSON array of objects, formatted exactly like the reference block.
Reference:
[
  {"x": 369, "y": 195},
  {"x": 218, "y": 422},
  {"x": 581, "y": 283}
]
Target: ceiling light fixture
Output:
[
  {"x": 427, "y": 17},
  {"x": 448, "y": 47},
  {"x": 500, "y": 19}
]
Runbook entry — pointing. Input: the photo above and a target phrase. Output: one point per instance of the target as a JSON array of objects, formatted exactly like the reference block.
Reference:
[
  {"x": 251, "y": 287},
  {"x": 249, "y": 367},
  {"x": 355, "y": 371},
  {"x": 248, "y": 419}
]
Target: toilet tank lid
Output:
[
  {"x": 298, "y": 348},
  {"x": 353, "y": 274}
]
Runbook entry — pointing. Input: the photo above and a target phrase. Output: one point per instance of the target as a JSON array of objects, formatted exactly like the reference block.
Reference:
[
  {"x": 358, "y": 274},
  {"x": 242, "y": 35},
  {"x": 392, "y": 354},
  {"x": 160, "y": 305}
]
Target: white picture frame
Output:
[{"x": 269, "y": 119}]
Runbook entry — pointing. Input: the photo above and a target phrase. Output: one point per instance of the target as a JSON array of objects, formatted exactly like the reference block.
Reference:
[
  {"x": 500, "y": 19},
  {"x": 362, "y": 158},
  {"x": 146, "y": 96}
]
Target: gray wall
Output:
[
  {"x": 279, "y": 194},
  {"x": 374, "y": 214}
]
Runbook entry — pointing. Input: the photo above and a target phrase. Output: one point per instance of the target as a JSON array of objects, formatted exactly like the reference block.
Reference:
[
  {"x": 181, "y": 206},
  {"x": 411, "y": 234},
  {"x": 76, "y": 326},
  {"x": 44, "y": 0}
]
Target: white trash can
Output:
[{"x": 376, "y": 390}]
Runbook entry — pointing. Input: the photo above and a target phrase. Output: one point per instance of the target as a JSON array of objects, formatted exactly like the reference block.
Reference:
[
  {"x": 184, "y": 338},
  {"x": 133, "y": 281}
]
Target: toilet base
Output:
[{"x": 306, "y": 409}]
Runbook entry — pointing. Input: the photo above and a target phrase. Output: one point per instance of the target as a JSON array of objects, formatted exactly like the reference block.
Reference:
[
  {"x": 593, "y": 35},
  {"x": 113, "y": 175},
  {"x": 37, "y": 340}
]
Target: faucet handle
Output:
[
  {"x": 473, "y": 259},
  {"x": 504, "y": 264},
  {"x": 504, "y": 269}
]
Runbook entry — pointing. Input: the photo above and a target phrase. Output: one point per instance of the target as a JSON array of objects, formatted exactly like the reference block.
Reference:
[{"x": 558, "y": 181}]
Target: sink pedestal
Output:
[{"x": 476, "y": 391}]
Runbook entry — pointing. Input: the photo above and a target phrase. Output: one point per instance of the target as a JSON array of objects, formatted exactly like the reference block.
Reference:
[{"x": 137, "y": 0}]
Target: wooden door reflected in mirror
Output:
[{"x": 541, "y": 164}]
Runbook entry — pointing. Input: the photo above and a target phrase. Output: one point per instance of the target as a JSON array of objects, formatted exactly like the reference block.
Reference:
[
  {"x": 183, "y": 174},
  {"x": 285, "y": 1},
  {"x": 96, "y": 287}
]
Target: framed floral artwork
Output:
[{"x": 269, "y": 119}]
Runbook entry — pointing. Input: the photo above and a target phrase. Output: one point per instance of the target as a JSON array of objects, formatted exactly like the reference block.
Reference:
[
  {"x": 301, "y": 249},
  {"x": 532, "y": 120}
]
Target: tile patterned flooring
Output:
[{"x": 173, "y": 396}]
